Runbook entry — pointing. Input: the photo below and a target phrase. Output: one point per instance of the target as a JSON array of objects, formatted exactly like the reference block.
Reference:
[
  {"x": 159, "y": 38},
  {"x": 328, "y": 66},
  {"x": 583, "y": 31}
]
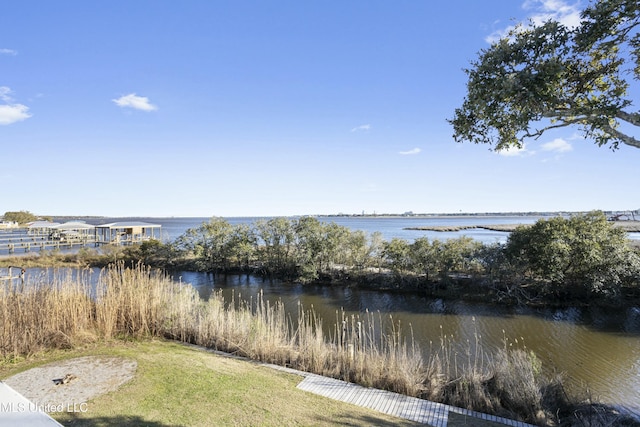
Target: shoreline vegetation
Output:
[
  {"x": 581, "y": 260},
  {"x": 141, "y": 303}
]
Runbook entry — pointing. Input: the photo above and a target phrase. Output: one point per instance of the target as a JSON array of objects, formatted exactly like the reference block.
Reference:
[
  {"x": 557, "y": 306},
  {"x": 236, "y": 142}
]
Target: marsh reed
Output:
[{"x": 62, "y": 311}]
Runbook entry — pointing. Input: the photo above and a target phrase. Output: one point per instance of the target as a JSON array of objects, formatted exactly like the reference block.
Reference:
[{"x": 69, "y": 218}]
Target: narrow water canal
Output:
[{"x": 595, "y": 348}]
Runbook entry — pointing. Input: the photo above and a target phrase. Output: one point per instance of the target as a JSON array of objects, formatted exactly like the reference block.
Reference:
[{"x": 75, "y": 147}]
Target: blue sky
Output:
[{"x": 250, "y": 108}]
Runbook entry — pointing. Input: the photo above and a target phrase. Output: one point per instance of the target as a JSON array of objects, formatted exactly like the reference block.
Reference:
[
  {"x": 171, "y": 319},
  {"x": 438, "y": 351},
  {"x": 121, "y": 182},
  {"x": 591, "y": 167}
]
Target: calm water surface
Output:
[{"x": 595, "y": 348}]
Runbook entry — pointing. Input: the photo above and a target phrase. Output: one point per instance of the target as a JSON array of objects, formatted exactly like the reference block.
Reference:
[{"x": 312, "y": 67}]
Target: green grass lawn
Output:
[{"x": 178, "y": 385}]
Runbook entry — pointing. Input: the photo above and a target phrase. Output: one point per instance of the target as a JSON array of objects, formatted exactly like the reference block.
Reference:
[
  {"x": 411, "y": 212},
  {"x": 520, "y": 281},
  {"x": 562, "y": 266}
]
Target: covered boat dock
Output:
[
  {"x": 126, "y": 233},
  {"x": 42, "y": 235}
]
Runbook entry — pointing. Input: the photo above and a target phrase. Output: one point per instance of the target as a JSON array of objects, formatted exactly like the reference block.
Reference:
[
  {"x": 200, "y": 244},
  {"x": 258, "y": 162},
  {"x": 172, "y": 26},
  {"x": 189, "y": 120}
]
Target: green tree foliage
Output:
[
  {"x": 323, "y": 246},
  {"x": 456, "y": 256},
  {"x": 376, "y": 250},
  {"x": 312, "y": 247},
  {"x": 243, "y": 244},
  {"x": 21, "y": 217},
  {"x": 397, "y": 254},
  {"x": 423, "y": 259},
  {"x": 278, "y": 239},
  {"x": 211, "y": 243},
  {"x": 150, "y": 252},
  {"x": 492, "y": 261},
  {"x": 551, "y": 76},
  {"x": 359, "y": 250},
  {"x": 435, "y": 258},
  {"x": 581, "y": 255}
]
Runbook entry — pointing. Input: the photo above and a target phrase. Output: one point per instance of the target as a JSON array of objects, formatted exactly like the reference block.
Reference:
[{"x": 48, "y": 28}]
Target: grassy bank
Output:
[
  {"x": 178, "y": 385},
  {"x": 68, "y": 312}
]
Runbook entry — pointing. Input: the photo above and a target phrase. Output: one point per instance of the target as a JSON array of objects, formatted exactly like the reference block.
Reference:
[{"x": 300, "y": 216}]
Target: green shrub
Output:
[{"x": 579, "y": 256}]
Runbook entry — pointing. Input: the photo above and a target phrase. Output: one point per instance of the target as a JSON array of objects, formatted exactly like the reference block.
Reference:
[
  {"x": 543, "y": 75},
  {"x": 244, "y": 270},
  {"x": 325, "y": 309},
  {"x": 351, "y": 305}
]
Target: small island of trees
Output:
[{"x": 578, "y": 259}]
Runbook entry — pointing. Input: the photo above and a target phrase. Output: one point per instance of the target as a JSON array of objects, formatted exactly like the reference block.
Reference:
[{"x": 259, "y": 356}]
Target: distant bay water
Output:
[{"x": 389, "y": 226}]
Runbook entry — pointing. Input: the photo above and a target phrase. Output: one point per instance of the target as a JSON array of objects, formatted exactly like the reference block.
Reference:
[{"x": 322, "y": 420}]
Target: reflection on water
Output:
[{"x": 595, "y": 348}]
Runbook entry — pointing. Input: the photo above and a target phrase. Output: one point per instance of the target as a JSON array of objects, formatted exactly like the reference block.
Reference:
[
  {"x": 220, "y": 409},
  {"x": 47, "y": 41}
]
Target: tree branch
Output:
[
  {"x": 626, "y": 139},
  {"x": 538, "y": 133},
  {"x": 633, "y": 118}
]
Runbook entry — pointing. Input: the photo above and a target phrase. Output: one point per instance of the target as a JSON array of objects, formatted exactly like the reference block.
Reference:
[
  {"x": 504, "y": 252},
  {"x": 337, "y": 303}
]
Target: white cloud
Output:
[
  {"x": 540, "y": 11},
  {"x": 410, "y": 152},
  {"x": 514, "y": 151},
  {"x": 10, "y": 112},
  {"x": 558, "y": 145},
  {"x": 361, "y": 128},
  {"x": 136, "y": 102},
  {"x": 8, "y": 52},
  {"x": 498, "y": 34},
  {"x": 13, "y": 113},
  {"x": 558, "y": 10},
  {"x": 4, "y": 94}
]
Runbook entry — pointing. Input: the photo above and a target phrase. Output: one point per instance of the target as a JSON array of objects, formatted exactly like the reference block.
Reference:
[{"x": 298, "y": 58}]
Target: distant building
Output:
[{"x": 126, "y": 233}]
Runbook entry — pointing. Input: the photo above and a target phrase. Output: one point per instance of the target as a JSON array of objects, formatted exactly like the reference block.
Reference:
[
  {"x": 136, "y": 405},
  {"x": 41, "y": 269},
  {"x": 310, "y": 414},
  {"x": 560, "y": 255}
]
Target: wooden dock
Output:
[
  {"x": 401, "y": 406},
  {"x": 397, "y": 405},
  {"x": 12, "y": 244}
]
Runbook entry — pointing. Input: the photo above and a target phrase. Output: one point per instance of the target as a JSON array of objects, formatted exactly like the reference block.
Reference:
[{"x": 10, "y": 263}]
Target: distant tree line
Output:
[
  {"x": 21, "y": 217},
  {"x": 580, "y": 257}
]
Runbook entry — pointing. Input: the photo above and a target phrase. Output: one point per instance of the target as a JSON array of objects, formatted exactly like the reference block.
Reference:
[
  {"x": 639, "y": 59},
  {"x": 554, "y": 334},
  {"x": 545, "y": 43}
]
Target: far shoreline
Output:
[
  {"x": 409, "y": 214},
  {"x": 629, "y": 226}
]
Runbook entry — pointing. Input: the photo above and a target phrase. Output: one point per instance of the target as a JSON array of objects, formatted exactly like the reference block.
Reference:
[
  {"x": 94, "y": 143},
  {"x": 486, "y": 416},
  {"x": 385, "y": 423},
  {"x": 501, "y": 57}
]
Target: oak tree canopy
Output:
[{"x": 548, "y": 76}]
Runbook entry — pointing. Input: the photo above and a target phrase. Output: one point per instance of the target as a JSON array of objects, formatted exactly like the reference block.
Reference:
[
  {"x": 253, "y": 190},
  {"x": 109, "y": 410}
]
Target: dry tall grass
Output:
[{"x": 138, "y": 302}]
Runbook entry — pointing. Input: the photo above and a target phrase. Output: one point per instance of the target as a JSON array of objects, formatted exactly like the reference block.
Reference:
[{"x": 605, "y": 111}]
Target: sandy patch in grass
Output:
[{"x": 90, "y": 376}]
